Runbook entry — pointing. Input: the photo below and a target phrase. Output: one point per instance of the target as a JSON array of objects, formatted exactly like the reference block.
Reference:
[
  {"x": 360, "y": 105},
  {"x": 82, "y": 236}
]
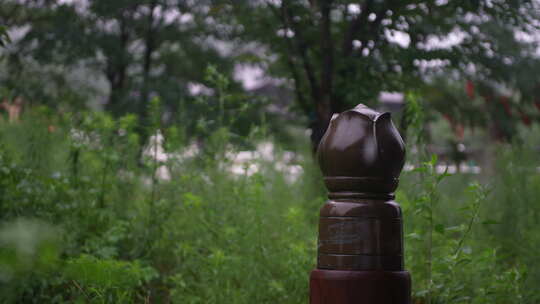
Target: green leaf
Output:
[
  {"x": 463, "y": 261},
  {"x": 433, "y": 160},
  {"x": 413, "y": 236},
  {"x": 439, "y": 228},
  {"x": 4, "y": 37},
  {"x": 490, "y": 222}
]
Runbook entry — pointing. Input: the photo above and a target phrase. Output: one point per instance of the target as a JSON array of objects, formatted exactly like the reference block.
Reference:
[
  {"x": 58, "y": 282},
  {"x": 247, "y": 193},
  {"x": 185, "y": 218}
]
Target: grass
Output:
[{"x": 84, "y": 220}]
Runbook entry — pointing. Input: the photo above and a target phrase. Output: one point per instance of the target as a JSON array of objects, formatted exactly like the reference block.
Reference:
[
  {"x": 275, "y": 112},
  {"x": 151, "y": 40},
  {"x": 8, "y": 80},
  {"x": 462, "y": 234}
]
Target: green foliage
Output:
[
  {"x": 340, "y": 53},
  {"x": 335, "y": 54},
  {"x": 86, "y": 220},
  {"x": 29, "y": 252},
  {"x": 128, "y": 51},
  {"x": 450, "y": 263},
  {"x": 104, "y": 280},
  {"x": 4, "y": 37},
  {"x": 126, "y": 236},
  {"x": 451, "y": 248}
]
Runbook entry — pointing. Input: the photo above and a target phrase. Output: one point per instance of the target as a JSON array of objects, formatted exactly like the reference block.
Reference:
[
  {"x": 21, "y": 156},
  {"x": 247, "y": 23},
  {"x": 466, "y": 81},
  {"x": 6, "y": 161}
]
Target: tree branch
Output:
[
  {"x": 301, "y": 48},
  {"x": 327, "y": 52},
  {"x": 149, "y": 50},
  {"x": 293, "y": 69},
  {"x": 355, "y": 26},
  {"x": 374, "y": 28},
  {"x": 298, "y": 85}
]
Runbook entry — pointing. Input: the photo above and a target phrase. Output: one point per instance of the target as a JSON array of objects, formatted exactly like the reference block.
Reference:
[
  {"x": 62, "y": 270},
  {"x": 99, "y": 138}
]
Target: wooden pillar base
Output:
[{"x": 359, "y": 287}]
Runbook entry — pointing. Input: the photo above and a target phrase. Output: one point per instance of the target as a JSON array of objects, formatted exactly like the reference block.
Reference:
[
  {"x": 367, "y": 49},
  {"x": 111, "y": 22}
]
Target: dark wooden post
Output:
[{"x": 360, "y": 254}]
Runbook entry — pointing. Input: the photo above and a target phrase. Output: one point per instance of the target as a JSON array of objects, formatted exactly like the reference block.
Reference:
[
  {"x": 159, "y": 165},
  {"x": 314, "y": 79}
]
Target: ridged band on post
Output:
[{"x": 360, "y": 248}]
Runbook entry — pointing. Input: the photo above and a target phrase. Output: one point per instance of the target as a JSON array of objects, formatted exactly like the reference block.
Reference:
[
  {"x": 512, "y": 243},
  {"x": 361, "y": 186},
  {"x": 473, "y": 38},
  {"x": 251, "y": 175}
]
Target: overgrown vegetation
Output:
[
  {"x": 130, "y": 172},
  {"x": 86, "y": 219},
  {"x": 458, "y": 243}
]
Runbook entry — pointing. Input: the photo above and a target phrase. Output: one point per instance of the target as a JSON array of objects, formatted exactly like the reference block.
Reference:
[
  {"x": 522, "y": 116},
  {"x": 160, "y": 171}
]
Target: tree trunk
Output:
[
  {"x": 116, "y": 70},
  {"x": 150, "y": 46},
  {"x": 320, "y": 124}
]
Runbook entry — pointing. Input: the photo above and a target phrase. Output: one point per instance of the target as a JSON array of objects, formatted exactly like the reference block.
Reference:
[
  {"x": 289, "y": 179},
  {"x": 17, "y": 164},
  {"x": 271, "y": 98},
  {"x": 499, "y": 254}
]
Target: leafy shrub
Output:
[{"x": 86, "y": 219}]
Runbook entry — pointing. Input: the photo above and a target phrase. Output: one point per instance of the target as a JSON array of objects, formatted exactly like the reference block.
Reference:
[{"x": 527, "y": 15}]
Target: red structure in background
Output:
[
  {"x": 13, "y": 108},
  {"x": 457, "y": 128},
  {"x": 469, "y": 89},
  {"x": 503, "y": 100},
  {"x": 501, "y": 110},
  {"x": 360, "y": 248}
]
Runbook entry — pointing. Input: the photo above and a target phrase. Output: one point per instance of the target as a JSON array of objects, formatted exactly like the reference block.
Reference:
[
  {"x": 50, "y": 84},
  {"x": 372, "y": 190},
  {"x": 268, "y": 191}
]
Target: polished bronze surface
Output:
[
  {"x": 360, "y": 247},
  {"x": 354, "y": 235},
  {"x": 361, "y": 151},
  {"x": 361, "y": 207},
  {"x": 359, "y": 287},
  {"x": 359, "y": 262}
]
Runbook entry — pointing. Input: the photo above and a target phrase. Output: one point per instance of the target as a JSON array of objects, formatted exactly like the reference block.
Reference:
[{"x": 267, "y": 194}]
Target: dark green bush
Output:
[{"x": 85, "y": 219}]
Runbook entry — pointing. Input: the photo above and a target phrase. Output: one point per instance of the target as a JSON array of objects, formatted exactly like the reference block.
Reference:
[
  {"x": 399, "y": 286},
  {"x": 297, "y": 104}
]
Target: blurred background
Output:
[{"x": 161, "y": 151}]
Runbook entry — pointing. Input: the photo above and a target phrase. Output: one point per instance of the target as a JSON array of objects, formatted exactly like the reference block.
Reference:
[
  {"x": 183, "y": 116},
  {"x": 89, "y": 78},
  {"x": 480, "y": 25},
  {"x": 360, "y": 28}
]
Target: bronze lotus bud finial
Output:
[
  {"x": 360, "y": 245},
  {"x": 361, "y": 153}
]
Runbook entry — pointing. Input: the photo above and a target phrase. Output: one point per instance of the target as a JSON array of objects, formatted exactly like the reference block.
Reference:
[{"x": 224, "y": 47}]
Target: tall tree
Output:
[
  {"x": 339, "y": 53},
  {"x": 142, "y": 47}
]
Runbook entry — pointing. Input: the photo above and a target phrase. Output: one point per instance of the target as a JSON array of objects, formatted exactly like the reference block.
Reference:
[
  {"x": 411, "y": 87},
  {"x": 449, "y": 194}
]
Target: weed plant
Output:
[
  {"x": 86, "y": 219},
  {"x": 459, "y": 244}
]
